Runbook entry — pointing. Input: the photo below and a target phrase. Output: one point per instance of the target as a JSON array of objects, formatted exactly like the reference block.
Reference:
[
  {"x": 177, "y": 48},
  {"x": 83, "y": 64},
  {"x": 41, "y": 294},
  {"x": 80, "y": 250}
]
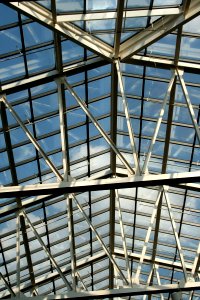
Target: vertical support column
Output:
[
  {"x": 71, "y": 241},
  {"x": 114, "y": 84},
  {"x": 18, "y": 254},
  {"x": 128, "y": 120},
  {"x": 64, "y": 147},
  {"x": 123, "y": 235}
]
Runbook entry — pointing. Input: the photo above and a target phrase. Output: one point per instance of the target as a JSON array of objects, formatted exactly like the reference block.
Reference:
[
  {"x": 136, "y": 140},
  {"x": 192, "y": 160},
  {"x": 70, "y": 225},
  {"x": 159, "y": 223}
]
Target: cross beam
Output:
[{"x": 99, "y": 184}]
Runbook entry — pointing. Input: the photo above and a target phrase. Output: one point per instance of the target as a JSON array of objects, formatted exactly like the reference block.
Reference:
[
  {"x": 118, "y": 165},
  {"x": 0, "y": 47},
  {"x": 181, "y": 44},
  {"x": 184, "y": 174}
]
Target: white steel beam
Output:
[
  {"x": 44, "y": 16},
  {"x": 18, "y": 254},
  {"x": 60, "y": 188},
  {"x": 165, "y": 63},
  {"x": 45, "y": 77},
  {"x": 98, "y": 127},
  {"x": 189, "y": 105},
  {"x": 148, "y": 281},
  {"x": 8, "y": 286},
  {"x": 51, "y": 258},
  {"x": 196, "y": 263},
  {"x": 158, "y": 279},
  {"x": 136, "y": 278},
  {"x": 31, "y": 138},
  {"x": 122, "y": 292},
  {"x": 168, "y": 263},
  {"x": 175, "y": 234},
  {"x": 118, "y": 270},
  {"x": 128, "y": 119},
  {"x": 161, "y": 114},
  {"x": 118, "y": 205},
  {"x": 113, "y": 15},
  {"x": 156, "y": 31}
]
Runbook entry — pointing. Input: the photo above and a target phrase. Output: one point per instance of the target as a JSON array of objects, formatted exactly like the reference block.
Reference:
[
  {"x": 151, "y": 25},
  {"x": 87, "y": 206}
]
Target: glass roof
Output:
[{"x": 100, "y": 90}]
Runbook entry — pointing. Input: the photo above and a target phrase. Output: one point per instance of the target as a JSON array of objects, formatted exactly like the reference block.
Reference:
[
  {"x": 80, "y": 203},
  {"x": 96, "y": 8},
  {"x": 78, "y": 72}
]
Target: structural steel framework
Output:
[{"x": 99, "y": 149}]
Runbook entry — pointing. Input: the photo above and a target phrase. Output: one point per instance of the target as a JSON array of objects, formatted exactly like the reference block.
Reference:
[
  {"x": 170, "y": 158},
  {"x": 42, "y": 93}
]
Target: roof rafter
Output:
[
  {"x": 44, "y": 16},
  {"x": 156, "y": 31}
]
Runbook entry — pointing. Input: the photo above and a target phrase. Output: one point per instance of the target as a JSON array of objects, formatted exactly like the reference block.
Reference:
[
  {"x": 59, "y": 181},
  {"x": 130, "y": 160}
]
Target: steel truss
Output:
[{"x": 134, "y": 176}]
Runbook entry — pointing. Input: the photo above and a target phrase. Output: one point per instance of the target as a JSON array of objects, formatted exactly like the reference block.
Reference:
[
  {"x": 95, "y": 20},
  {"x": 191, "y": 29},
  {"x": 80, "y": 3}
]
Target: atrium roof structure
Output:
[{"x": 100, "y": 149}]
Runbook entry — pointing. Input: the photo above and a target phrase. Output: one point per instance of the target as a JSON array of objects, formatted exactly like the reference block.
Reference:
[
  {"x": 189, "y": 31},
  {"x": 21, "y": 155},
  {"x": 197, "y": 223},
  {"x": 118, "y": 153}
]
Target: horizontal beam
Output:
[
  {"x": 49, "y": 76},
  {"x": 122, "y": 292},
  {"x": 52, "y": 276},
  {"x": 113, "y": 15},
  {"x": 159, "y": 29},
  {"x": 159, "y": 261},
  {"x": 165, "y": 63},
  {"x": 99, "y": 184}
]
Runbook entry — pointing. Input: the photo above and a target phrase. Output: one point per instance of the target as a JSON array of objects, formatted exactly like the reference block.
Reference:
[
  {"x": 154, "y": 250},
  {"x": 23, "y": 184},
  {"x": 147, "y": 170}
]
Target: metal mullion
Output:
[
  {"x": 18, "y": 255},
  {"x": 4, "y": 261},
  {"x": 113, "y": 133}
]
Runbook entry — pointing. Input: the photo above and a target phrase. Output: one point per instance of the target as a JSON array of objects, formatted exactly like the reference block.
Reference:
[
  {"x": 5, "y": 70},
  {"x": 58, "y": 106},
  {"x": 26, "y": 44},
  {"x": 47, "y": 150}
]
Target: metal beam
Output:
[
  {"x": 128, "y": 119},
  {"x": 46, "y": 77},
  {"x": 18, "y": 254},
  {"x": 8, "y": 286},
  {"x": 118, "y": 27},
  {"x": 196, "y": 263},
  {"x": 175, "y": 234},
  {"x": 189, "y": 104},
  {"x": 113, "y": 15},
  {"x": 118, "y": 270},
  {"x": 166, "y": 63},
  {"x": 136, "y": 278},
  {"x": 55, "y": 275},
  {"x": 161, "y": 114},
  {"x": 53, "y": 261},
  {"x": 31, "y": 137},
  {"x": 165, "y": 263},
  {"x": 99, "y": 184},
  {"x": 158, "y": 30},
  {"x": 118, "y": 205},
  {"x": 79, "y": 36},
  {"x": 122, "y": 292},
  {"x": 99, "y": 128}
]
